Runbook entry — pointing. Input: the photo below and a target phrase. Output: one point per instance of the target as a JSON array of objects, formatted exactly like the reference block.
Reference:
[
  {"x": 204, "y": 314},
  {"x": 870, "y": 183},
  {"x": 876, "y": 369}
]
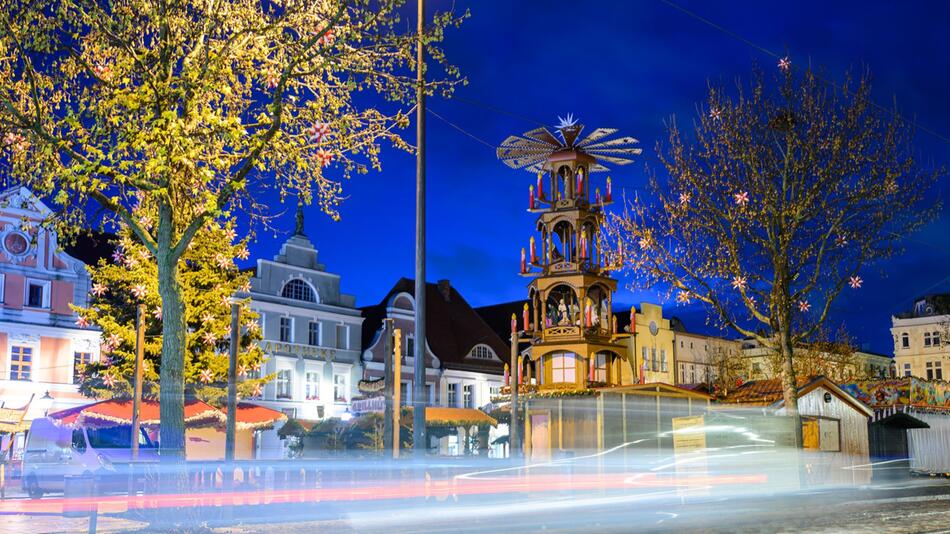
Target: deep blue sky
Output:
[{"x": 629, "y": 65}]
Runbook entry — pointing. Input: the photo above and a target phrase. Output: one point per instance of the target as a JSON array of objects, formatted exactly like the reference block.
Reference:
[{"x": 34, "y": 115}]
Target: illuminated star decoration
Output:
[
  {"x": 243, "y": 253},
  {"x": 271, "y": 80},
  {"x": 253, "y": 326},
  {"x": 145, "y": 221},
  {"x": 257, "y": 390},
  {"x": 118, "y": 257},
  {"x": 109, "y": 381},
  {"x": 16, "y": 141},
  {"x": 742, "y": 198},
  {"x": 157, "y": 313},
  {"x": 113, "y": 341},
  {"x": 99, "y": 289},
  {"x": 208, "y": 338},
  {"x": 241, "y": 370},
  {"x": 715, "y": 113},
  {"x": 328, "y": 38},
  {"x": 324, "y": 157},
  {"x": 684, "y": 198},
  {"x": 207, "y": 318},
  {"x": 785, "y": 63},
  {"x": 682, "y": 297},
  {"x": 738, "y": 283},
  {"x": 317, "y": 132},
  {"x": 207, "y": 376},
  {"x": 82, "y": 322},
  {"x": 841, "y": 240},
  {"x": 803, "y": 306},
  {"x": 226, "y": 301},
  {"x": 644, "y": 243},
  {"x": 230, "y": 234},
  {"x": 855, "y": 282},
  {"x": 139, "y": 290},
  {"x": 129, "y": 262},
  {"x": 246, "y": 286},
  {"x": 222, "y": 261}
]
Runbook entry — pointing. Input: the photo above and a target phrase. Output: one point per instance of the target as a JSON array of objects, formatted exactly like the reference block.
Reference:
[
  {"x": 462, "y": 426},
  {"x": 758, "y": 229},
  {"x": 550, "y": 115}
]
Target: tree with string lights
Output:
[
  {"x": 788, "y": 191},
  {"x": 195, "y": 109}
]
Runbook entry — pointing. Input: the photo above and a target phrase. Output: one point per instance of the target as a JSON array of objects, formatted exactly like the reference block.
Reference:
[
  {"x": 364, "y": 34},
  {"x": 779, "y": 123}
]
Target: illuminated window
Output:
[
  {"x": 482, "y": 352},
  {"x": 312, "y": 386},
  {"x": 339, "y": 388},
  {"x": 314, "y": 333},
  {"x": 37, "y": 294},
  {"x": 468, "y": 396},
  {"x": 663, "y": 360},
  {"x": 298, "y": 290},
  {"x": 451, "y": 397},
  {"x": 600, "y": 367},
  {"x": 342, "y": 336},
  {"x": 21, "y": 363},
  {"x": 284, "y": 384},
  {"x": 563, "y": 367}
]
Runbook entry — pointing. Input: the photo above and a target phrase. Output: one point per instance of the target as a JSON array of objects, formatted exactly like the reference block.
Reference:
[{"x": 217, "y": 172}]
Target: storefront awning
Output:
[{"x": 197, "y": 414}]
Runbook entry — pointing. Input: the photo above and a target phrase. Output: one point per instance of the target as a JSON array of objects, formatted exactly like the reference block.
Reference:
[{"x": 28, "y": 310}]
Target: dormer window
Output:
[
  {"x": 482, "y": 352},
  {"x": 37, "y": 293},
  {"x": 298, "y": 290}
]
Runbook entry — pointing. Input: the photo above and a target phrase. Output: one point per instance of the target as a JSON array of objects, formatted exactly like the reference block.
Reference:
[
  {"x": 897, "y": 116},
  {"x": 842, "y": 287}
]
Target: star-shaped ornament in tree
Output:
[
  {"x": 243, "y": 254},
  {"x": 99, "y": 289},
  {"x": 157, "y": 314},
  {"x": 230, "y": 234},
  {"x": 206, "y": 376},
  {"x": 82, "y": 322},
  {"x": 683, "y": 297},
  {"x": 684, "y": 198},
  {"x": 207, "y": 318},
  {"x": 139, "y": 291},
  {"x": 855, "y": 282},
  {"x": 257, "y": 390},
  {"x": 739, "y": 283},
  {"x": 785, "y": 63},
  {"x": 741, "y": 198},
  {"x": 118, "y": 256},
  {"x": 803, "y": 306},
  {"x": 715, "y": 114},
  {"x": 324, "y": 157},
  {"x": 208, "y": 338},
  {"x": 109, "y": 381},
  {"x": 113, "y": 341}
]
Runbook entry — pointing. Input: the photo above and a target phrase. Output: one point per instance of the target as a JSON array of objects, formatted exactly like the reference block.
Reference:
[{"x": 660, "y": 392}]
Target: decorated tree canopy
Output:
[{"x": 209, "y": 278}]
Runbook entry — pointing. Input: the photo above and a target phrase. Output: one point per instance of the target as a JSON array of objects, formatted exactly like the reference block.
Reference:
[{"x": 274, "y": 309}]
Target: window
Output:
[
  {"x": 654, "y": 364},
  {"x": 756, "y": 369},
  {"x": 286, "y": 329},
  {"x": 683, "y": 376},
  {"x": 284, "y": 384},
  {"x": 927, "y": 339},
  {"x": 79, "y": 359},
  {"x": 451, "y": 397},
  {"x": 430, "y": 394},
  {"x": 298, "y": 290},
  {"x": 562, "y": 367},
  {"x": 906, "y": 369},
  {"x": 600, "y": 367},
  {"x": 645, "y": 358},
  {"x": 21, "y": 363},
  {"x": 2, "y": 283},
  {"x": 312, "y": 386},
  {"x": 37, "y": 294},
  {"x": 935, "y": 339},
  {"x": 494, "y": 391},
  {"x": 663, "y": 360},
  {"x": 342, "y": 336},
  {"x": 482, "y": 352},
  {"x": 313, "y": 337},
  {"x": 938, "y": 371},
  {"x": 905, "y": 340},
  {"x": 410, "y": 346},
  {"x": 405, "y": 391},
  {"x": 468, "y": 396},
  {"x": 692, "y": 374},
  {"x": 339, "y": 388}
]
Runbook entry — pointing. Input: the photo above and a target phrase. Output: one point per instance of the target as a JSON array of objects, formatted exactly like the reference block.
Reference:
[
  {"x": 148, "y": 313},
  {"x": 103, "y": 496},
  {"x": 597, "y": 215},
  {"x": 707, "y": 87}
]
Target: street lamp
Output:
[
  {"x": 346, "y": 416},
  {"x": 45, "y": 403}
]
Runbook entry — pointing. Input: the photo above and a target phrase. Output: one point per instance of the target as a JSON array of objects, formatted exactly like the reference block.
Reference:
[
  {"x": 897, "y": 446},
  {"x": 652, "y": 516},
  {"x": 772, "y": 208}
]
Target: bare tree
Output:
[{"x": 787, "y": 191}]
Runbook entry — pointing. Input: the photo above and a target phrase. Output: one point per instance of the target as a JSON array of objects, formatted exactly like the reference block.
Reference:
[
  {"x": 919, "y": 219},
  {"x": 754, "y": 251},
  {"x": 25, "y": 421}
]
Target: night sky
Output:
[{"x": 629, "y": 65}]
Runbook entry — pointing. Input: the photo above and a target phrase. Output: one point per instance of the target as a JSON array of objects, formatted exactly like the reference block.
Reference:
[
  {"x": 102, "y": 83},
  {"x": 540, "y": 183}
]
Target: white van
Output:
[{"x": 53, "y": 452}]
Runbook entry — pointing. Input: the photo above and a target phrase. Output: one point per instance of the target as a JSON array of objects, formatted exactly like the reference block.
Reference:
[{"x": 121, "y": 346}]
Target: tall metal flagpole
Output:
[{"x": 419, "y": 367}]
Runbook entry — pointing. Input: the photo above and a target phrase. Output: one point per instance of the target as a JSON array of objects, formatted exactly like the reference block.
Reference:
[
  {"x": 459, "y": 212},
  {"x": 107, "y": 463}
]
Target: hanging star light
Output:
[
  {"x": 855, "y": 282},
  {"x": 113, "y": 341},
  {"x": 230, "y": 234},
  {"x": 738, "y": 283},
  {"x": 684, "y": 198},
  {"x": 207, "y": 318},
  {"x": 206, "y": 376},
  {"x": 139, "y": 290},
  {"x": 803, "y": 306},
  {"x": 241, "y": 370},
  {"x": 531, "y": 150},
  {"x": 785, "y": 63},
  {"x": 208, "y": 338},
  {"x": 257, "y": 390},
  {"x": 715, "y": 114},
  {"x": 82, "y": 322},
  {"x": 243, "y": 254},
  {"x": 683, "y": 297},
  {"x": 157, "y": 313},
  {"x": 742, "y": 198},
  {"x": 109, "y": 381},
  {"x": 99, "y": 289}
]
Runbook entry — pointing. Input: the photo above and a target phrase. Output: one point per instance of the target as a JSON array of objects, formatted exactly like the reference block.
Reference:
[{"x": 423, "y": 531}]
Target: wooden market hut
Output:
[{"x": 834, "y": 426}]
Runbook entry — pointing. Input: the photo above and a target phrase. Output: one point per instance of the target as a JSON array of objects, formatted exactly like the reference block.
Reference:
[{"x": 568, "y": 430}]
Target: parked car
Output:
[{"x": 54, "y": 452}]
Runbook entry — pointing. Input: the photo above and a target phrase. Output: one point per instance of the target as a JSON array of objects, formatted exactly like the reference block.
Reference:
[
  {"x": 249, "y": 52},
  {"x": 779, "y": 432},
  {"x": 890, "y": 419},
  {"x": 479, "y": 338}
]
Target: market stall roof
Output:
[
  {"x": 769, "y": 392},
  {"x": 254, "y": 417},
  {"x": 119, "y": 412},
  {"x": 656, "y": 388},
  {"x": 437, "y": 416}
]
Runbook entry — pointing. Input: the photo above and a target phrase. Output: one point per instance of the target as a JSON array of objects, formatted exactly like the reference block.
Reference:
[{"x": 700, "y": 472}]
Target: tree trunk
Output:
[
  {"x": 171, "y": 381},
  {"x": 789, "y": 380}
]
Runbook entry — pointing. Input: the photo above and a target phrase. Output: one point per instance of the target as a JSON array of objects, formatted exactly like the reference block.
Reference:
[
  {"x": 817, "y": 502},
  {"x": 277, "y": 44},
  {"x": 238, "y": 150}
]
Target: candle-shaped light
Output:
[
  {"x": 530, "y": 197},
  {"x": 514, "y": 323},
  {"x": 540, "y": 186},
  {"x": 524, "y": 317},
  {"x": 633, "y": 320},
  {"x": 597, "y": 196},
  {"x": 613, "y": 323},
  {"x": 534, "y": 253},
  {"x": 609, "y": 190},
  {"x": 524, "y": 265},
  {"x": 591, "y": 365},
  {"x": 580, "y": 182},
  {"x": 587, "y": 313},
  {"x": 506, "y": 375},
  {"x": 583, "y": 244}
]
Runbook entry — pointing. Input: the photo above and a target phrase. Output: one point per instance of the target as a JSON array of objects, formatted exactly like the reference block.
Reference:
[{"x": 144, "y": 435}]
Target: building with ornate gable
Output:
[{"x": 41, "y": 346}]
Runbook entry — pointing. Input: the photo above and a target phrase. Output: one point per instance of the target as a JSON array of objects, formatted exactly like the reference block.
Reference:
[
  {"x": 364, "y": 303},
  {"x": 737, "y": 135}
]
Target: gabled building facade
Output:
[
  {"x": 41, "y": 345},
  {"x": 464, "y": 356},
  {"x": 311, "y": 333},
  {"x": 922, "y": 339}
]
